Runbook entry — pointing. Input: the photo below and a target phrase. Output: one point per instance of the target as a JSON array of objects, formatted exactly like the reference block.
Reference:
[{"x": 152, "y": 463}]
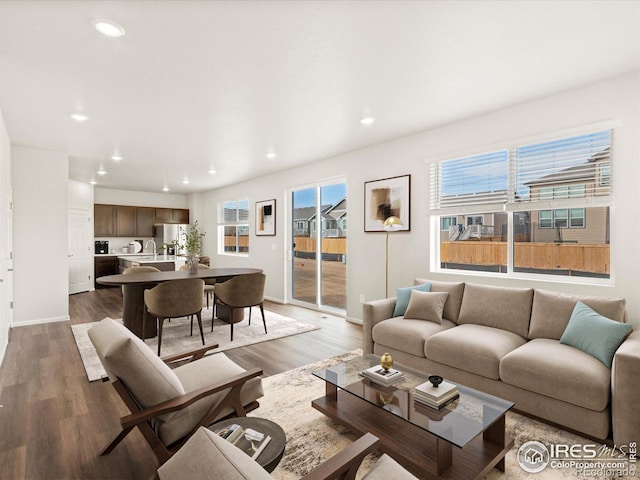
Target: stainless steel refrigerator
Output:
[{"x": 166, "y": 235}]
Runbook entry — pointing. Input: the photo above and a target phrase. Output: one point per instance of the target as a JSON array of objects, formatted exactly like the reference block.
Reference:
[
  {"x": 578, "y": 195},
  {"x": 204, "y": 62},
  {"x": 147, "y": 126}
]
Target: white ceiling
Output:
[{"x": 195, "y": 84}]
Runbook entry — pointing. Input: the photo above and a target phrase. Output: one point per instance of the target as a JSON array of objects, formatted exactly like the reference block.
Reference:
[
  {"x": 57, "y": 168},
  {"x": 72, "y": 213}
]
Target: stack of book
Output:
[
  {"x": 427, "y": 394},
  {"x": 379, "y": 375},
  {"x": 248, "y": 440}
]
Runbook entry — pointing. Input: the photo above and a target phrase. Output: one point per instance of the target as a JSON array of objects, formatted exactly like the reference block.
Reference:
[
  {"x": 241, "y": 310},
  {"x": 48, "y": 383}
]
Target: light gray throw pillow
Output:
[{"x": 426, "y": 306}]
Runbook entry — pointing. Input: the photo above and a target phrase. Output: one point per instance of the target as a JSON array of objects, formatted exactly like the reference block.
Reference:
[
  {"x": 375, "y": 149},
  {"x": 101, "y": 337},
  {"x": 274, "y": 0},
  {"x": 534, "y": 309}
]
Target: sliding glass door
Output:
[{"x": 319, "y": 246}]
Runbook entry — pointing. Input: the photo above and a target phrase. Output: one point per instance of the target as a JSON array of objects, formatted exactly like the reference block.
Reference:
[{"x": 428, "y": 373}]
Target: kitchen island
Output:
[{"x": 164, "y": 263}]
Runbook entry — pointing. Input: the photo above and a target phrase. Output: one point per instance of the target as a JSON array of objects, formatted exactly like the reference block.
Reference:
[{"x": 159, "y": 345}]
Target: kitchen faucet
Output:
[{"x": 154, "y": 245}]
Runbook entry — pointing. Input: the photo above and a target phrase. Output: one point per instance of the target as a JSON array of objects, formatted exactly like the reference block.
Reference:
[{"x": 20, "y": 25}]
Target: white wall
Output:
[
  {"x": 111, "y": 196},
  {"x": 5, "y": 238},
  {"x": 615, "y": 100},
  {"x": 40, "y": 191}
]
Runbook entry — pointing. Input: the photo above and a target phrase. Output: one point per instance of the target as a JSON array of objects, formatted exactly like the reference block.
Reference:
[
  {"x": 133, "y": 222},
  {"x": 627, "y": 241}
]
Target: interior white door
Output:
[{"x": 79, "y": 251}]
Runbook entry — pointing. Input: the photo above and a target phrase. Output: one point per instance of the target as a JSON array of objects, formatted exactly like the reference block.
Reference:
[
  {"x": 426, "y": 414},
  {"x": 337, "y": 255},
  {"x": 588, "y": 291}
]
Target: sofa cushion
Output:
[
  {"x": 407, "y": 335},
  {"x": 207, "y": 371},
  {"x": 206, "y": 456},
  {"x": 128, "y": 358},
  {"x": 403, "y": 295},
  {"x": 472, "y": 348},
  {"x": 551, "y": 311},
  {"x": 505, "y": 308},
  {"x": 426, "y": 306},
  {"x": 454, "y": 300},
  {"x": 594, "y": 334},
  {"x": 558, "y": 371}
]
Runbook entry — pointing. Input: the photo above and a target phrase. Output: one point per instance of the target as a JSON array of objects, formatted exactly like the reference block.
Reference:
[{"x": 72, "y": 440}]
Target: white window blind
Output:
[
  {"x": 570, "y": 167},
  {"x": 475, "y": 180},
  {"x": 235, "y": 211}
]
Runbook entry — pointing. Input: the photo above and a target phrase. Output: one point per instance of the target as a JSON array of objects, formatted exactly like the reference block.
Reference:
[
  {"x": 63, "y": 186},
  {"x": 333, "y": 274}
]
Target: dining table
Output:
[{"x": 134, "y": 285}]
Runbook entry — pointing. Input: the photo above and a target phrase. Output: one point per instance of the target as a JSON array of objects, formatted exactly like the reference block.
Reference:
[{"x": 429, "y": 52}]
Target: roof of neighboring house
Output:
[{"x": 576, "y": 173}]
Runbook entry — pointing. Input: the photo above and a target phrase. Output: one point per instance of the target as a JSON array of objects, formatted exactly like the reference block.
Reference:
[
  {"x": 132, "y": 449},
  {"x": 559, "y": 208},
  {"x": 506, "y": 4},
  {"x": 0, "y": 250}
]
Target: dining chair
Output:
[
  {"x": 241, "y": 292},
  {"x": 209, "y": 283},
  {"x": 166, "y": 404},
  {"x": 176, "y": 298}
]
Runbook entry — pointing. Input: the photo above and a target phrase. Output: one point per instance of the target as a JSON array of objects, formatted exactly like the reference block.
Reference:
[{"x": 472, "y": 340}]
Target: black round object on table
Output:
[{"x": 272, "y": 453}]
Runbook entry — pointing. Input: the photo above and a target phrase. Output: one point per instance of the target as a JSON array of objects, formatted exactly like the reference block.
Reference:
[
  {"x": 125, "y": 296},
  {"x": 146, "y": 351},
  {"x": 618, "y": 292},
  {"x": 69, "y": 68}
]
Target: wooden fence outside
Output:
[
  {"x": 337, "y": 245},
  {"x": 543, "y": 256}
]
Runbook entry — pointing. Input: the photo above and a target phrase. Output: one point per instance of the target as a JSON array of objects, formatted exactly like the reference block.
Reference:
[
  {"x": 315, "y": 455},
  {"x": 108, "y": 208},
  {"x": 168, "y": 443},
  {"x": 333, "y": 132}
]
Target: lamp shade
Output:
[{"x": 392, "y": 223}]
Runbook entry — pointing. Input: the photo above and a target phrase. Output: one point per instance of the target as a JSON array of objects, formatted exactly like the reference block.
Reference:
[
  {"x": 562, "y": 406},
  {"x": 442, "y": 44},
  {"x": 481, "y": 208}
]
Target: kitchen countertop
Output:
[
  {"x": 120, "y": 254},
  {"x": 153, "y": 258}
]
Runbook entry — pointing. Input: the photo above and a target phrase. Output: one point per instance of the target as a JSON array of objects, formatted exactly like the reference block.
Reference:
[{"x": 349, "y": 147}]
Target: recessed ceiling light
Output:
[
  {"x": 79, "y": 117},
  {"x": 102, "y": 171},
  {"x": 271, "y": 155},
  {"x": 108, "y": 28},
  {"x": 165, "y": 189},
  {"x": 368, "y": 120},
  {"x": 185, "y": 181},
  {"x": 92, "y": 181},
  {"x": 212, "y": 170},
  {"x": 116, "y": 158}
]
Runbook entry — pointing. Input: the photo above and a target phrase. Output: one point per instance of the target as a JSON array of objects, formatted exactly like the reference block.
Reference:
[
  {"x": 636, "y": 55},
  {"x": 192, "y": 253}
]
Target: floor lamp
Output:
[{"x": 391, "y": 224}]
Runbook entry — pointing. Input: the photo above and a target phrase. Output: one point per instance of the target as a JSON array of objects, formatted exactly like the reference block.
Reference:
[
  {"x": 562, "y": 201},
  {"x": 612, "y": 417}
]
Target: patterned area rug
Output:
[
  {"x": 176, "y": 338},
  {"x": 312, "y": 437}
]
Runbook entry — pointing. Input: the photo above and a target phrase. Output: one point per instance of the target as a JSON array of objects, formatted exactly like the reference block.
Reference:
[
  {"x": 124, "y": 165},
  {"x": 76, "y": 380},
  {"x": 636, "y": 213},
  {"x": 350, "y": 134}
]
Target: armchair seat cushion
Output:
[
  {"x": 558, "y": 371},
  {"x": 207, "y": 371},
  {"x": 407, "y": 335},
  {"x": 473, "y": 348},
  {"x": 386, "y": 468}
]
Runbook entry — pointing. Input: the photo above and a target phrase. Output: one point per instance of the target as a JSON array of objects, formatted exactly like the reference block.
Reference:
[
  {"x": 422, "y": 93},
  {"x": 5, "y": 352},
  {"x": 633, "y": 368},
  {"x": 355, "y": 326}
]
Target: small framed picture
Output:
[
  {"x": 385, "y": 198},
  {"x": 266, "y": 217}
]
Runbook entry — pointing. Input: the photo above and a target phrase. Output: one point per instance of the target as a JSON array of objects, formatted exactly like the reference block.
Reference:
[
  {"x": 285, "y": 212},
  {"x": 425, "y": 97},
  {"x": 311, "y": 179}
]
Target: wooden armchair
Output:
[
  {"x": 206, "y": 456},
  {"x": 169, "y": 405}
]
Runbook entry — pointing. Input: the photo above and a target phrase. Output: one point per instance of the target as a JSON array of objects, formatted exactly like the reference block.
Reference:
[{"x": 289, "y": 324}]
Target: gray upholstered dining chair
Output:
[
  {"x": 176, "y": 298},
  {"x": 209, "y": 283},
  {"x": 241, "y": 292},
  {"x": 207, "y": 456},
  {"x": 166, "y": 404}
]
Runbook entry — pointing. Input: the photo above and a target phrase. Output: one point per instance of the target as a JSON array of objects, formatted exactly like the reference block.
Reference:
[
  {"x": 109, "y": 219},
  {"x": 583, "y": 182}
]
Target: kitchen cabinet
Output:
[
  {"x": 104, "y": 220},
  {"x": 107, "y": 265},
  {"x": 145, "y": 220},
  {"x": 172, "y": 215},
  {"x": 126, "y": 221}
]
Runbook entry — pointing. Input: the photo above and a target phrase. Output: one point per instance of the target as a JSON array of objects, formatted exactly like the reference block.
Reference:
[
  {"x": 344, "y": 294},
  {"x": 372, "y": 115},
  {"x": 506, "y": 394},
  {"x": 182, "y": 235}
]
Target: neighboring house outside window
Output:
[{"x": 233, "y": 227}]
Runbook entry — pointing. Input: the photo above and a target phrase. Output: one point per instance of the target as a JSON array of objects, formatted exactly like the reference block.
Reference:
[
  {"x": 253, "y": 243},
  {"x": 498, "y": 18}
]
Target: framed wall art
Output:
[
  {"x": 385, "y": 198},
  {"x": 266, "y": 217}
]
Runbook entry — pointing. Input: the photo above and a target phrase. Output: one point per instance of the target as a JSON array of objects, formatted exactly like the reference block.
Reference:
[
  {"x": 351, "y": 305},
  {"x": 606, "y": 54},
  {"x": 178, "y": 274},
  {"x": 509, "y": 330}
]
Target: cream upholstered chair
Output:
[
  {"x": 208, "y": 283},
  {"x": 206, "y": 456},
  {"x": 169, "y": 405},
  {"x": 176, "y": 298}
]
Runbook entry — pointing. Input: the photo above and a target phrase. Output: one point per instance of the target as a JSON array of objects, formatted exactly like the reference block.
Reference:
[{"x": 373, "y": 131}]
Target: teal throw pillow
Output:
[
  {"x": 594, "y": 334},
  {"x": 404, "y": 294}
]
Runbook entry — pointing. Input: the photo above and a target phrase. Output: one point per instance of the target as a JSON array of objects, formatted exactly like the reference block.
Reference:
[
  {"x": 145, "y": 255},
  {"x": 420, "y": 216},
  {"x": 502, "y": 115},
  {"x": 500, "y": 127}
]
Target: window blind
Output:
[
  {"x": 577, "y": 166},
  {"x": 235, "y": 211}
]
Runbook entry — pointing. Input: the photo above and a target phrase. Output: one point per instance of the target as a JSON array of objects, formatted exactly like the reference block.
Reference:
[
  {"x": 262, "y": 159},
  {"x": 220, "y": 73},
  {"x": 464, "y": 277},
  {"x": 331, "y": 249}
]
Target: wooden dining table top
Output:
[{"x": 159, "y": 277}]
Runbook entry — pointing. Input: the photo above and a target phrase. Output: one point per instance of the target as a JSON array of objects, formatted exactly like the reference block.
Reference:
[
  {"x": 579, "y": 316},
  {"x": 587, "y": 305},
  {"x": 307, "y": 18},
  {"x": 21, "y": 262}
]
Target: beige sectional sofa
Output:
[{"x": 506, "y": 341}]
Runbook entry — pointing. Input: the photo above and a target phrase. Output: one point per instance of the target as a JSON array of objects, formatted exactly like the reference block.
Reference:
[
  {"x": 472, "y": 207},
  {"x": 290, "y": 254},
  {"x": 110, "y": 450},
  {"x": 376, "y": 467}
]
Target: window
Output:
[
  {"x": 566, "y": 186},
  {"x": 447, "y": 222},
  {"x": 233, "y": 227}
]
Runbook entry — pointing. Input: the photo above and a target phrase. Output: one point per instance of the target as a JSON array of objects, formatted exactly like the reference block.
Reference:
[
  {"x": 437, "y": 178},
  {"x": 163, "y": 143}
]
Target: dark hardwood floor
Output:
[{"x": 53, "y": 422}]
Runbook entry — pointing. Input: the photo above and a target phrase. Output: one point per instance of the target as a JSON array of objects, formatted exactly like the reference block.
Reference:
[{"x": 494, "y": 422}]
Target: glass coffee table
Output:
[{"x": 419, "y": 437}]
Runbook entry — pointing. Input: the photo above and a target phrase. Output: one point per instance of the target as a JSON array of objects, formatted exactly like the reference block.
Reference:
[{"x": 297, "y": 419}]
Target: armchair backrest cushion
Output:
[
  {"x": 207, "y": 456},
  {"x": 128, "y": 358},
  {"x": 506, "y": 308},
  {"x": 551, "y": 311}
]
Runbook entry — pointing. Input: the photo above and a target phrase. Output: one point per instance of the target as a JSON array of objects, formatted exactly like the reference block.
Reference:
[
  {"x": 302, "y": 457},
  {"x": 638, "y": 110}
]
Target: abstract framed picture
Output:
[
  {"x": 385, "y": 198},
  {"x": 266, "y": 217}
]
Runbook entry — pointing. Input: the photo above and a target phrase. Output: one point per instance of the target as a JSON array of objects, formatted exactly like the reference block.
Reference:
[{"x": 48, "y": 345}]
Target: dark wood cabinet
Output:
[
  {"x": 104, "y": 266},
  {"x": 145, "y": 220},
  {"x": 126, "y": 221},
  {"x": 104, "y": 220},
  {"x": 181, "y": 215},
  {"x": 172, "y": 215}
]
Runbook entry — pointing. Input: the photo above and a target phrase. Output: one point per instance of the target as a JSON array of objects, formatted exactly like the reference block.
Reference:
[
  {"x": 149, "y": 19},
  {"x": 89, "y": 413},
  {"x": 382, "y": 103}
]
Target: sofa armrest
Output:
[
  {"x": 625, "y": 378},
  {"x": 372, "y": 313}
]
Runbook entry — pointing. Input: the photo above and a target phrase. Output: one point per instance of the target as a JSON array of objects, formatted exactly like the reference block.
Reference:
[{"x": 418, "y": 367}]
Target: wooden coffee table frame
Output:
[{"x": 418, "y": 450}]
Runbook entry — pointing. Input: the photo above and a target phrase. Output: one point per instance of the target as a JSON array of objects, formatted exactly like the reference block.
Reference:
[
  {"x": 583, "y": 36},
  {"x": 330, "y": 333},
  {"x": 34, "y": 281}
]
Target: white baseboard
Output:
[
  {"x": 274, "y": 300},
  {"x": 39, "y": 321},
  {"x": 3, "y": 350},
  {"x": 357, "y": 321}
]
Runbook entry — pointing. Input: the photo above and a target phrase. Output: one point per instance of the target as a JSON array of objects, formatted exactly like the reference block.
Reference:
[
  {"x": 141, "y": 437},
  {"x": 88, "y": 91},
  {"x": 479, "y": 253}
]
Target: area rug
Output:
[
  {"x": 313, "y": 438},
  {"x": 176, "y": 338}
]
